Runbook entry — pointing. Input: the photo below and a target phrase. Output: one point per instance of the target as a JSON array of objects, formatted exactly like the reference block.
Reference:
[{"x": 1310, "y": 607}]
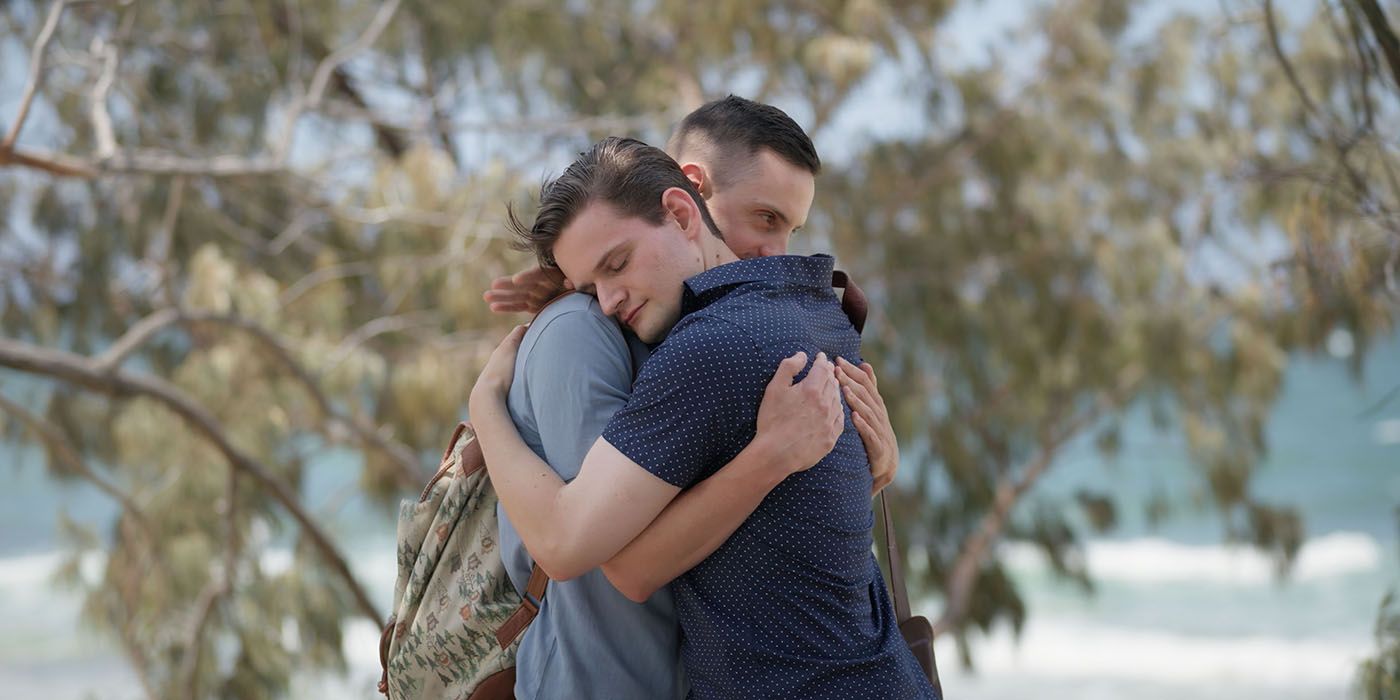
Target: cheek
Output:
[{"x": 743, "y": 241}]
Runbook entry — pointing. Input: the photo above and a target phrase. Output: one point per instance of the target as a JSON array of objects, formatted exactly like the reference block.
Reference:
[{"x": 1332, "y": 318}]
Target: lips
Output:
[{"x": 632, "y": 316}]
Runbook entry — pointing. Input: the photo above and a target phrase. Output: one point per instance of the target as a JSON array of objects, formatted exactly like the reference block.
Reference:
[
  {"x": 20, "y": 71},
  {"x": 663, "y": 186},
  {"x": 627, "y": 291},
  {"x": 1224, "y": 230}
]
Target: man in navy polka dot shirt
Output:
[{"x": 792, "y": 604}]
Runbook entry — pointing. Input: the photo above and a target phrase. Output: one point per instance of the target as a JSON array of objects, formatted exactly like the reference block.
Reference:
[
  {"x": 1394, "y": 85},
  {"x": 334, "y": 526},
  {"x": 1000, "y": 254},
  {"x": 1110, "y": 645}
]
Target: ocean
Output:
[{"x": 1175, "y": 613}]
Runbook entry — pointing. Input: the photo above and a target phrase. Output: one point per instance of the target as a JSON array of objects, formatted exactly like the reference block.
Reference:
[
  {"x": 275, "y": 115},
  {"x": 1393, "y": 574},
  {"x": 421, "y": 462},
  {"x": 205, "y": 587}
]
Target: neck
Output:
[{"x": 714, "y": 253}]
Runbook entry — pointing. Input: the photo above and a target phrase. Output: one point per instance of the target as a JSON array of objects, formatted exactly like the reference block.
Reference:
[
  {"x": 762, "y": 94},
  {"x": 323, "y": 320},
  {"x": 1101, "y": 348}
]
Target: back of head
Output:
[
  {"x": 725, "y": 134},
  {"x": 625, "y": 173}
]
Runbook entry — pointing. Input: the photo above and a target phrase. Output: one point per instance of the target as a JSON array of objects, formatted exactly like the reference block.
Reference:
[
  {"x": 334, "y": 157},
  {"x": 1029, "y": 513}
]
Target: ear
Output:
[
  {"x": 699, "y": 177},
  {"x": 684, "y": 210}
]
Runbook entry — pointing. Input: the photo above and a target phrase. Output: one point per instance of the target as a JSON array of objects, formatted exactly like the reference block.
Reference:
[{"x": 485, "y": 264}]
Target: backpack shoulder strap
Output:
[{"x": 525, "y": 614}]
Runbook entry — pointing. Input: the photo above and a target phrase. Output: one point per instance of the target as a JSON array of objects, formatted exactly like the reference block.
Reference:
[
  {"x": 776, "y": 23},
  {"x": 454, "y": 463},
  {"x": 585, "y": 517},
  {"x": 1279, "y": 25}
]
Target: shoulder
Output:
[
  {"x": 700, "y": 346},
  {"x": 707, "y": 329},
  {"x": 571, "y": 323}
]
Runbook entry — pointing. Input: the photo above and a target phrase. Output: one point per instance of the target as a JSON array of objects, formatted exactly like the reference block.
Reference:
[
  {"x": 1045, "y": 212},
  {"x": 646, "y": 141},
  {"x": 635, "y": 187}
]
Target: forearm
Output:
[
  {"x": 694, "y": 525},
  {"x": 531, "y": 492}
]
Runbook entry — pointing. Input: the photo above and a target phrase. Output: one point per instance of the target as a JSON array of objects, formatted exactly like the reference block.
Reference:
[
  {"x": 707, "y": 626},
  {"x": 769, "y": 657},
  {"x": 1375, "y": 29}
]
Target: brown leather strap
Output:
[
  {"x": 853, "y": 302},
  {"x": 472, "y": 460},
  {"x": 529, "y": 608},
  {"x": 384, "y": 638},
  {"x": 857, "y": 307},
  {"x": 898, "y": 590}
]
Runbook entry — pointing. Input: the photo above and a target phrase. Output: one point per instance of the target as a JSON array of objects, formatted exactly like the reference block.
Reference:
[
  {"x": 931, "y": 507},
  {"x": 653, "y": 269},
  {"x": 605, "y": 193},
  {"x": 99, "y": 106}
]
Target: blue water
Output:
[{"x": 1171, "y": 597}]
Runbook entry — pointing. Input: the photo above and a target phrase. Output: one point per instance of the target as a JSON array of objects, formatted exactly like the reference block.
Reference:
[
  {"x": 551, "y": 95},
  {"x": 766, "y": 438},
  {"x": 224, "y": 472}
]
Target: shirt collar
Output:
[{"x": 804, "y": 270}]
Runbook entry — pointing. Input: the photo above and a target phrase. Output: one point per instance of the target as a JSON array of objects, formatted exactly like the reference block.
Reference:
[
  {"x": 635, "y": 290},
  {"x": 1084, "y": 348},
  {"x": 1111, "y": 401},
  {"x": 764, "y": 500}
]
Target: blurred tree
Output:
[{"x": 302, "y": 201}]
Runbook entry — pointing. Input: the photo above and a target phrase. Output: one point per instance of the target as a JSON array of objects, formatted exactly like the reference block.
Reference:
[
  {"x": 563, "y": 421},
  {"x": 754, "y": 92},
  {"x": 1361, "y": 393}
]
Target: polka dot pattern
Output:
[{"x": 793, "y": 604}]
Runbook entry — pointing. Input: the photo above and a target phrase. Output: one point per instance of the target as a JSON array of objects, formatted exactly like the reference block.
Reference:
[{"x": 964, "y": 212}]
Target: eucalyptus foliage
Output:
[{"x": 238, "y": 234}]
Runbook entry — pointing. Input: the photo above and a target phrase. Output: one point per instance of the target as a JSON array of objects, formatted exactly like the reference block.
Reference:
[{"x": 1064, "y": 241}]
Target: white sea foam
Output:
[
  {"x": 1056, "y": 652},
  {"x": 1156, "y": 560},
  {"x": 34, "y": 572},
  {"x": 1073, "y": 649}
]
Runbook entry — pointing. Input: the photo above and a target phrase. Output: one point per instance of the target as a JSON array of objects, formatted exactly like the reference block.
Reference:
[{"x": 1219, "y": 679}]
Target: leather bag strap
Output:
[
  {"x": 529, "y": 608},
  {"x": 857, "y": 308},
  {"x": 902, "y": 611},
  {"x": 853, "y": 302}
]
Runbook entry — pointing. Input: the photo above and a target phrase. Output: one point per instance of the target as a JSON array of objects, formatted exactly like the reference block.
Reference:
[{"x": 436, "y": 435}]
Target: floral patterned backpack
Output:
[{"x": 456, "y": 619}]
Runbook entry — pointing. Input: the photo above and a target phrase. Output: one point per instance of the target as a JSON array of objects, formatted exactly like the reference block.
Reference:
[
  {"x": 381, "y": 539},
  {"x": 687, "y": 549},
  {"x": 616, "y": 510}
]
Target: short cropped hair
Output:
[
  {"x": 728, "y": 133},
  {"x": 628, "y": 175}
]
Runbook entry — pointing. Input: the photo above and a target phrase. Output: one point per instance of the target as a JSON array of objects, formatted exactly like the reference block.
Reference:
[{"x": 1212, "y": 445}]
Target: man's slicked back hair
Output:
[
  {"x": 625, "y": 173},
  {"x": 728, "y": 133}
]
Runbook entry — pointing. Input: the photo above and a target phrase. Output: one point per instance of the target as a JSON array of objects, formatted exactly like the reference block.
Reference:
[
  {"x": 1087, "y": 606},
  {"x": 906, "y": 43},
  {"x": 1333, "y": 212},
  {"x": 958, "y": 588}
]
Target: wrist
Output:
[{"x": 772, "y": 458}]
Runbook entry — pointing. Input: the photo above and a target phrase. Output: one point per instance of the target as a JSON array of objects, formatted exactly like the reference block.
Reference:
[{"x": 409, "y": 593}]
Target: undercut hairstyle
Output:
[
  {"x": 624, "y": 173},
  {"x": 726, "y": 134}
]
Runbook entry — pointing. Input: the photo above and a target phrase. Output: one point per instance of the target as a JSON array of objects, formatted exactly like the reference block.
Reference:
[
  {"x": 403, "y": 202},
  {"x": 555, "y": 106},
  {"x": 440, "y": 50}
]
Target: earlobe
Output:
[{"x": 683, "y": 209}]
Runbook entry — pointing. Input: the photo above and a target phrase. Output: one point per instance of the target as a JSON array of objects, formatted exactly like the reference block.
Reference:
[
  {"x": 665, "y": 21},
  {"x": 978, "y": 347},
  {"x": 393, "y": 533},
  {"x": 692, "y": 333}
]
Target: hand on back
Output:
[
  {"x": 528, "y": 290},
  {"x": 801, "y": 421},
  {"x": 872, "y": 420}
]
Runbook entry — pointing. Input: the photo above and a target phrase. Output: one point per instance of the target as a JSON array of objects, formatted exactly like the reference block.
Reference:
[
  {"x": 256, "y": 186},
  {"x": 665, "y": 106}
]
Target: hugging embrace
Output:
[{"x": 670, "y": 442}]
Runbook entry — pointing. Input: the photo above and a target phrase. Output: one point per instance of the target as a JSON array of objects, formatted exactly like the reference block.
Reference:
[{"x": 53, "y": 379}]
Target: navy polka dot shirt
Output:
[{"x": 793, "y": 604}]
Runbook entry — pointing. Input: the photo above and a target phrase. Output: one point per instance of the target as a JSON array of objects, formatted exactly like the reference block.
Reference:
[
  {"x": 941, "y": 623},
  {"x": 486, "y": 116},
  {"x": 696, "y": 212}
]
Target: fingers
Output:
[
  {"x": 505, "y": 302},
  {"x": 859, "y": 375},
  {"x": 859, "y": 399},
  {"x": 529, "y": 275},
  {"x": 513, "y": 338},
  {"x": 872, "y": 437},
  {"x": 869, "y": 371},
  {"x": 788, "y": 368},
  {"x": 541, "y": 283},
  {"x": 878, "y": 485},
  {"x": 876, "y": 444},
  {"x": 515, "y": 300}
]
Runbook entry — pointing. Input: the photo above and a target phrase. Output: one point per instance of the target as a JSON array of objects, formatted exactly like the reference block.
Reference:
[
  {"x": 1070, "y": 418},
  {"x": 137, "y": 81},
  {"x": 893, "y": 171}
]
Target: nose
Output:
[
  {"x": 771, "y": 249},
  {"x": 611, "y": 298}
]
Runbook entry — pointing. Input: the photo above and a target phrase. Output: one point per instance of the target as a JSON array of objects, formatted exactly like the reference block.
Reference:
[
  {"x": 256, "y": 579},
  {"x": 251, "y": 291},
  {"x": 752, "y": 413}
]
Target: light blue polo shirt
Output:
[{"x": 573, "y": 372}]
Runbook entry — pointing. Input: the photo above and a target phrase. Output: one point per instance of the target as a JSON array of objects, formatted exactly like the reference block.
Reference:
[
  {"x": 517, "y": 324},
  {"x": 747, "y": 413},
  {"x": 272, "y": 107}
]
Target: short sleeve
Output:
[
  {"x": 577, "y": 375},
  {"x": 689, "y": 398}
]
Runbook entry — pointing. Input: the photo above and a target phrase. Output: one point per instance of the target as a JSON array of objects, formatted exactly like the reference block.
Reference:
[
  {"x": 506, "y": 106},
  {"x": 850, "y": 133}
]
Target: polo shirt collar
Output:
[{"x": 804, "y": 270}]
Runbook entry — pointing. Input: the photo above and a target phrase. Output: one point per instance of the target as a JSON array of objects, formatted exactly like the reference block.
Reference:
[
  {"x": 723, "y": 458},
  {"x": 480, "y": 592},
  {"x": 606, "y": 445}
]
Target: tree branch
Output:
[
  {"x": 1271, "y": 24},
  {"x": 311, "y": 100},
  {"x": 380, "y": 326},
  {"x": 75, "y": 369},
  {"x": 139, "y": 334},
  {"x": 60, "y": 449},
  {"x": 213, "y": 592},
  {"x": 963, "y": 576},
  {"x": 102, "y": 130},
  {"x": 1385, "y": 36},
  {"x": 36, "y": 74},
  {"x": 400, "y": 455},
  {"x": 140, "y": 162}
]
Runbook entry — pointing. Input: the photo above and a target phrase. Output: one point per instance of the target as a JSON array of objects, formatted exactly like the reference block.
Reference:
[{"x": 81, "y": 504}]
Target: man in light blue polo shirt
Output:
[{"x": 575, "y": 369}]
